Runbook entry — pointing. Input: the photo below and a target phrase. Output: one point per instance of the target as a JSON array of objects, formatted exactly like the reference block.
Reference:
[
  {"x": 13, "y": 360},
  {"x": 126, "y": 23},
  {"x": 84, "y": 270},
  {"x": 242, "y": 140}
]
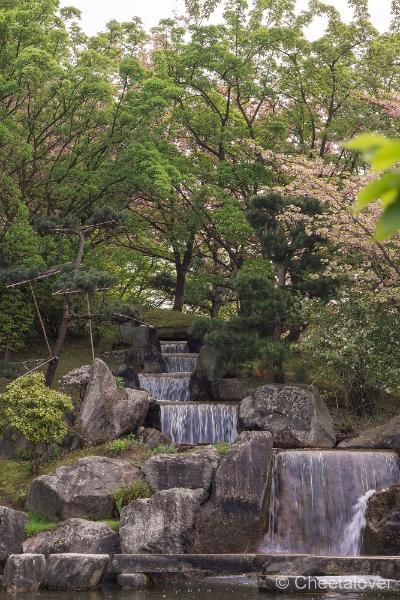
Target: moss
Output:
[
  {"x": 113, "y": 523},
  {"x": 15, "y": 478},
  {"x": 37, "y": 524},
  {"x": 222, "y": 447}
]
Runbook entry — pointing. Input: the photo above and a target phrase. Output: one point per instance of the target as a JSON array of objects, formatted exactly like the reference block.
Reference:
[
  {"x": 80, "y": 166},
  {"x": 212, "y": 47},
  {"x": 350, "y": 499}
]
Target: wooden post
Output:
[
  {"x": 41, "y": 320},
  {"x": 90, "y": 327}
]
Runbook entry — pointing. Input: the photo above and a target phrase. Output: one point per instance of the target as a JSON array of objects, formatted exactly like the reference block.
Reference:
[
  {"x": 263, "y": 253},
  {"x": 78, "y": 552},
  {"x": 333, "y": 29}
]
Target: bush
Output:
[
  {"x": 121, "y": 445},
  {"x": 124, "y": 496},
  {"x": 36, "y": 412}
]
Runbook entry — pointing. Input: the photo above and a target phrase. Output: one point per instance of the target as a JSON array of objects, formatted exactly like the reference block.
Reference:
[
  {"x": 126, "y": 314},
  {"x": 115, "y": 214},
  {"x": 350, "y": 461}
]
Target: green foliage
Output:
[
  {"x": 222, "y": 448},
  {"x": 121, "y": 445},
  {"x": 13, "y": 331},
  {"x": 163, "y": 450},
  {"x": 353, "y": 343},
  {"x": 37, "y": 524},
  {"x": 36, "y": 412},
  {"x": 124, "y": 496},
  {"x": 382, "y": 153}
]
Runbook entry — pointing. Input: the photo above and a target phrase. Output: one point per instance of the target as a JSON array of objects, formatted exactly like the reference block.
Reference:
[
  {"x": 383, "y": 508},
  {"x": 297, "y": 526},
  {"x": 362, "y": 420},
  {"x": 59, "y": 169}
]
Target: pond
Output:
[{"x": 193, "y": 591}]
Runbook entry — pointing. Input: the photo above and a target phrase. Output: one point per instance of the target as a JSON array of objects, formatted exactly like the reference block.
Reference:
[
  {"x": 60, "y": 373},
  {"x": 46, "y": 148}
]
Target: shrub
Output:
[
  {"x": 36, "y": 412},
  {"x": 124, "y": 496},
  {"x": 121, "y": 445}
]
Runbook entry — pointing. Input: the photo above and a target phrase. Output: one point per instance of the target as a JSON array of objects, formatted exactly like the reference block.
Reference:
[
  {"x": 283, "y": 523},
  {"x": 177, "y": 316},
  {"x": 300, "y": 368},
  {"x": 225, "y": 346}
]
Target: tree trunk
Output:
[
  {"x": 180, "y": 288},
  {"x": 62, "y": 334}
]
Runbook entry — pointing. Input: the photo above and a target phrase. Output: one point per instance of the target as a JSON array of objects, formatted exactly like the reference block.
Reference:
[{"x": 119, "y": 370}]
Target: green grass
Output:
[
  {"x": 121, "y": 445},
  {"x": 160, "y": 317},
  {"x": 124, "y": 496},
  {"x": 37, "y": 524},
  {"x": 222, "y": 447},
  {"x": 113, "y": 523},
  {"x": 163, "y": 450}
]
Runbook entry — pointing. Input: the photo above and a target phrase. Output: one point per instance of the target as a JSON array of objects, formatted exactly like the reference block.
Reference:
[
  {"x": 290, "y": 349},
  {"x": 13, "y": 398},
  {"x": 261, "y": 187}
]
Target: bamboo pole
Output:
[
  {"x": 41, "y": 320},
  {"x": 90, "y": 327}
]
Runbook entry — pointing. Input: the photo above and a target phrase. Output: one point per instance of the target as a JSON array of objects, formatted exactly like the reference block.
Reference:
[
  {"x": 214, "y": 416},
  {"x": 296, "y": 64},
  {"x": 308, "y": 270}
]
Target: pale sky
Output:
[{"x": 96, "y": 13}]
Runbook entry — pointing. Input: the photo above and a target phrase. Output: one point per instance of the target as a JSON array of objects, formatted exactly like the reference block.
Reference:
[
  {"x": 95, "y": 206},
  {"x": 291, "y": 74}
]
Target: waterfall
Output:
[
  {"x": 318, "y": 498},
  {"x": 352, "y": 535},
  {"x": 174, "y": 347},
  {"x": 199, "y": 423},
  {"x": 179, "y": 362},
  {"x": 166, "y": 387}
]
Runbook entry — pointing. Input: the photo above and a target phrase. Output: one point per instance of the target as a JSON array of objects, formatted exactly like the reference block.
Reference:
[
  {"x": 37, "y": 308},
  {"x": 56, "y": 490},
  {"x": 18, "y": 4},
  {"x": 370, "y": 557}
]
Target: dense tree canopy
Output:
[{"x": 226, "y": 147}]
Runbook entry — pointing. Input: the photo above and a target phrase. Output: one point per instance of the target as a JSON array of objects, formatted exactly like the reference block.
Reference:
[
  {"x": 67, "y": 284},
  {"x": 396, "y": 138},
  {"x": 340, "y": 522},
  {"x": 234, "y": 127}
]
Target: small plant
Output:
[
  {"x": 37, "y": 524},
  {"x": 120, "y": 383},
  {"x": 113, "y": 523},
  {"x": 124, "y": 496},
  {"x": 36, "y": 412},
  {"x": 222, "y": 447},
  {"x": 121, "y": 445}
]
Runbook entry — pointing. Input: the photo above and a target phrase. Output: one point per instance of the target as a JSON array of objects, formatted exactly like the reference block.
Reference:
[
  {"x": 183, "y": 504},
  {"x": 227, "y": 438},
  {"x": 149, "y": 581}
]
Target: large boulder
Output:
[
  {"x": 233, "y": 389},
  {"x": 386, "y": 436},
  {"x": 76, "y": 571},
  {"x": 108, "y": 412},
  {"x": 24, "y": 573},
  {"x": 12, "y": 532},
  {"x": 236, "y": 517},
  {"x": 295, "y": 415},
  {"x": 190, "y": 470},
  {"x": 382, "y": 529},
  {"x": 75, "y": 535},
  {"x": 153, "y": 437},
  {"x": 208, "y": 371},
  {"x": 166, "y": 523},
  {"x": 83, "y": 489}
]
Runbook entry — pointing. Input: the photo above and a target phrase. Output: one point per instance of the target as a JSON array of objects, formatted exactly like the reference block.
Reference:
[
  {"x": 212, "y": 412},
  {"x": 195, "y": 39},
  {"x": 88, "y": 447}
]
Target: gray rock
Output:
[
  {"x": 382, "y": 530},
  {"x": 135, "y": 581},
  {"x": 12, "y": 532},
  {"x": 108, "y": 412},
  {"x": 153, "y": 437},
  {"x": 386, "y": 436},
  {"x": 75, "y": 535},
  {"x": 233, "y": 390},
  {"x": 153, "y": 419},
  {"x": 236, "y": 518},
  {"x": 83, "y": 489},
  {"x": 24, "y": 572},
  {"x": 295, "y": 415},
  {"x": 208, "y": 371},
  {"x": 166, "y": 523},
  {"x": 190, "y": 470},
  {"x": 76, "y": 571}
]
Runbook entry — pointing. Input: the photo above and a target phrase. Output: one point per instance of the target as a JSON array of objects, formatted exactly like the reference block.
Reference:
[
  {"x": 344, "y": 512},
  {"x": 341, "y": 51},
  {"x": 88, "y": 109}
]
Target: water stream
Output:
[{"x": 319, "y": 498}]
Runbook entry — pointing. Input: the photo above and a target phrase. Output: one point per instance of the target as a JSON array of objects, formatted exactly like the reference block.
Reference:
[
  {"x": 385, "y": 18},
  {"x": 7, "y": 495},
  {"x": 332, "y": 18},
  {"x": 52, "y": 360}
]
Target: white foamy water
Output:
[
  {"x": 319, "y": 497},
  {"x": 180, "y": 363},
  {"x": 199, "y": 423},
  {"x": 166, "y": 386},
  {"x": 174, "y": 347}
]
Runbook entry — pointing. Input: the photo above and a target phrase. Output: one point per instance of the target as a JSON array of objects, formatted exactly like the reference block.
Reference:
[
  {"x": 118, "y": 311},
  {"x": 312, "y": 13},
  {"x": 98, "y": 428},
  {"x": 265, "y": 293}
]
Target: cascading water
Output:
[
  {"x": 165, "y": 386},
  {"x": 183, "y": 421},
  {"x": 174, "y": 347},
  {"x": 318, "y": 498},
  {"x": 180, "y": 363},
  {"x": 192, "y": 423}
]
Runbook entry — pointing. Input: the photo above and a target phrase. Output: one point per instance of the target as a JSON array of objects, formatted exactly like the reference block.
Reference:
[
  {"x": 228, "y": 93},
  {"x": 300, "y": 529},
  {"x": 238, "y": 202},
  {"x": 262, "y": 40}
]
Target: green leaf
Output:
[
  {"x": 378, "y": 190},
  {"x": 389, "y": 221},
  {"x": 386, "y": 156},
  {"x": 367, "y": 142}
]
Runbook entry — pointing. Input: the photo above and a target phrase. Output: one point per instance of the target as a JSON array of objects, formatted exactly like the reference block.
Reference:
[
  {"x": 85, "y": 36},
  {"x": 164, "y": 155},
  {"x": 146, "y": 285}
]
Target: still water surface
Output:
[{"x": 195, "y": 592}]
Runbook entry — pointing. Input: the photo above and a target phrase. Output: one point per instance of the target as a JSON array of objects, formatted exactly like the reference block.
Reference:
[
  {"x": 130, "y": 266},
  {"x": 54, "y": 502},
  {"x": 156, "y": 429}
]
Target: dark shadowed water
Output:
[{"x": 195, "y": 592}]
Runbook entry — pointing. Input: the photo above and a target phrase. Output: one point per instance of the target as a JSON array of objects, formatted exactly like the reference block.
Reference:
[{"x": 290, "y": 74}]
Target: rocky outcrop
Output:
[
  {"x": 24, "y": 573},
  {"x": 75, "y": 571},
  {"x": 233, "y": 389},
  {"x": 166, "y": 523},
  {"x": 205, "y": 376},
  {"x": 382, "y": 530},
  {"x": 153, "y": 437},
  {"x": 82, "y": 489},
  {"x": 236, "y": 517},
  {"x": 295, "y": 415},
  {"x": 386, "y": 436},
  {"x": 108, "y": 412},
  {"x": 192, "y": 470},
  {"x": 12, "y": 532},
  {"x": 129, "y": 377},
  {"x": 153, "y": 419},
  {"x": 74, "y": 535}
]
